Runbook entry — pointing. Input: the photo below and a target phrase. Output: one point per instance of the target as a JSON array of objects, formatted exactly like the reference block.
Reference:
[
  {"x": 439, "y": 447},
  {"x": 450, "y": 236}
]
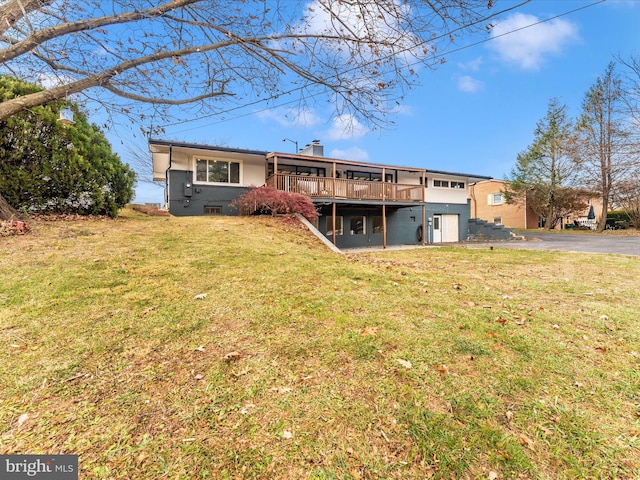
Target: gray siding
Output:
[
  {"x": 462, "y": 210},
  {"x": 402, "y": 225},
  {"x": 181, "y": 204}
]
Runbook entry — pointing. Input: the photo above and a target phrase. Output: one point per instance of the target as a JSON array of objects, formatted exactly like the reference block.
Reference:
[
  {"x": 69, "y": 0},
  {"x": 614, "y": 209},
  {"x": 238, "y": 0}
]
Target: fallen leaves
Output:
[
  {"x": 525, "y": 441},
  {"x": 22, "y": 418},
  {"x": 13, "y": 227},
  {"x": 405, "y": 363},
  {"x": 369, "y": 331},
  {"x": 232, "y": 357}
]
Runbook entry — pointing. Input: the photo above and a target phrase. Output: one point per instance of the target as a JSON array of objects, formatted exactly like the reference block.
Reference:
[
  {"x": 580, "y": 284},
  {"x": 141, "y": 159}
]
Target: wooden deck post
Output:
[
  {"x": 333, "y": 221},
  {"x": 333, "y": 192},
  {"x": 384, "y": 226},
  {"x": 424, "y": 223},
  {"x": 424, "y": 209},
  {"x": 384, "y": 185}
]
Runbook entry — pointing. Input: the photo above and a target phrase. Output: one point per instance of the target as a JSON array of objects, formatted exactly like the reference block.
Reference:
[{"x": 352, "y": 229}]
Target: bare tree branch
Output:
[
  {"x": 38, "y": 37},
  {"x": 184, "y": 52},
  {"x": 15, "y": 10}
]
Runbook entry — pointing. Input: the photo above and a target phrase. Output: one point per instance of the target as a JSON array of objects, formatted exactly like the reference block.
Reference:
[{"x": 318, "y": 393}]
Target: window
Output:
[
  {"x": 376, "y": 227},
  {"x": 299, "y": 170},
  {"x": 369, "y": 176},
  {"x": 330, "y": 226},
  {"x": 213, "y": 210},
  {"x": 217, "y": 171},
  {"x": 497, "y": 220},
  {"x": 457, "y": 184},
  {"x": 441, "y": 183},
  {"x": 358, "y": 225},
  {"x": 495, "y": 199}
]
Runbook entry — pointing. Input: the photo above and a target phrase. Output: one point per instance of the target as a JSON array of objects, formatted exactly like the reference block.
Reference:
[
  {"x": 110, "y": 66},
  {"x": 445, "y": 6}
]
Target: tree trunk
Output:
[
  {"x": 602, "y": 224},
  {"x": 7, "y": 212}
]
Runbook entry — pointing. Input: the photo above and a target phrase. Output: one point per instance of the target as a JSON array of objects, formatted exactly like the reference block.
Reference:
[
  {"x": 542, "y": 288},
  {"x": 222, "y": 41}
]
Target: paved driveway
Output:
[{"x": 571, "y": 242}]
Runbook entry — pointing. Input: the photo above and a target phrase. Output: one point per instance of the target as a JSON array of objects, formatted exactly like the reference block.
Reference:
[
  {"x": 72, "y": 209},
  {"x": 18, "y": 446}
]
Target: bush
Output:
[
  {"x": 50, "y": 168},
  {"x": 619, "y": 215},
  {"x": 269, "y": 201}
]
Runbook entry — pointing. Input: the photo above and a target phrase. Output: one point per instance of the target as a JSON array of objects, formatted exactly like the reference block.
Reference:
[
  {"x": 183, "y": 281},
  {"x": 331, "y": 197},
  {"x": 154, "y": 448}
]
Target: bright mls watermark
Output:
[{"x": 45, "y": 467}]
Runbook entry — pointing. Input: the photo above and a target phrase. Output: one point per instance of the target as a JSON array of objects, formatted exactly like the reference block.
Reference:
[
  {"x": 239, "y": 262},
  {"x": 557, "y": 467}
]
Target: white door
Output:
[{"x": 437, "y": 228}]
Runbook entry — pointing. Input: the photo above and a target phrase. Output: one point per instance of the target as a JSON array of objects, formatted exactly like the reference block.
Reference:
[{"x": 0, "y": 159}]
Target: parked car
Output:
[{"x": 613, "y": 224}]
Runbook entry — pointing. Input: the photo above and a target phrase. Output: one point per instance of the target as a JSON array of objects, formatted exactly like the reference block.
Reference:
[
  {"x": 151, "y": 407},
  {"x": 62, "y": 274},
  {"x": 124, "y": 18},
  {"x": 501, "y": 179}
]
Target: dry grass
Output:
[{"x": 242, "y": 348}]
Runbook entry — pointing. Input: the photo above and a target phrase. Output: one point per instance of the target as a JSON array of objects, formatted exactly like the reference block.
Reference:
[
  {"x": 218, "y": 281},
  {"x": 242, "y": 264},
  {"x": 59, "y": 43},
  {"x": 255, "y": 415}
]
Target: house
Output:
[
  {"x": 360, "y": 203},
  {"x": 488, "y": 203}
]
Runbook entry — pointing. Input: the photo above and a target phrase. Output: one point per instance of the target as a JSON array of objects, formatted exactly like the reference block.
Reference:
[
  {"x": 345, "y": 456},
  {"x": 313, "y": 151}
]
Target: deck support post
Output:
[
  {"x": 424, "y": 223},
  {"x": 333, "y": 221},
  {"x": 384, "y": 226}
]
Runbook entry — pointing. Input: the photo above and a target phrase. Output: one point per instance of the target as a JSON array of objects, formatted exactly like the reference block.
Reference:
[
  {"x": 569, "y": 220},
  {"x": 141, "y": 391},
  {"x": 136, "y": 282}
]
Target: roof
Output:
[
  {"x": 161, "y": 163},
  {"x": 199, "y": 146},
  {"x": 343, "y": 162},
  {"x": 458, "y": 174}
]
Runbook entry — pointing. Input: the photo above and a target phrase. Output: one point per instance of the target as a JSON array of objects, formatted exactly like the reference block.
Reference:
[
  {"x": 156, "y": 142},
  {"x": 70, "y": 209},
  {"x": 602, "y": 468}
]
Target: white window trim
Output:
[
  {"x": 195, "y": 159},
  {"x": 491, "y": 199},
  {"x": 364, "y": 225},
  {"x": 339, "y": 225},
  {"x": 441, "y": 180}
]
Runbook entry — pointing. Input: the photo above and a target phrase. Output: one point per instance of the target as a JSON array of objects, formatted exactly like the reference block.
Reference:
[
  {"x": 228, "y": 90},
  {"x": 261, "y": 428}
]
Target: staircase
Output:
[{"x": 481, "y": 230}]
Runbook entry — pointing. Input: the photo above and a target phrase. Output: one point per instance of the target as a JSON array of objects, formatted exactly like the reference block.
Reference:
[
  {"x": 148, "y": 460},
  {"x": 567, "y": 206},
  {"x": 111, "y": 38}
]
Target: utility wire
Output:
[{"x": 302, "y": 87}]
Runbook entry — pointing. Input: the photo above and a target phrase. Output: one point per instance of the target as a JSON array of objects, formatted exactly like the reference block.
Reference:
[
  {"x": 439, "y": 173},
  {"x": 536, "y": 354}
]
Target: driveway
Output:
[{"x": 570, "y": 242}]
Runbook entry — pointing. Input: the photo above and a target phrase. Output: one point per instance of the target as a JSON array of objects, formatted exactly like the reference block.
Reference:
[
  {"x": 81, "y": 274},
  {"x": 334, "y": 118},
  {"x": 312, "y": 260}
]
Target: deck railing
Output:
[{"x": 327, "y": 187}]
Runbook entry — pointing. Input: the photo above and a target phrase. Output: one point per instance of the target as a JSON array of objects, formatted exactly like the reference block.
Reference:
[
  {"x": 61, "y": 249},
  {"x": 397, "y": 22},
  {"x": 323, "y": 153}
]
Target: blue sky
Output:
[{"x": 473, "y": 114}]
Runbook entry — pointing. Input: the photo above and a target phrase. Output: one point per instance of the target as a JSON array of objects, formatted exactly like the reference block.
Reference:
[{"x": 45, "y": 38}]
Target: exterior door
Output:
[{"x": 437, "y": 228}]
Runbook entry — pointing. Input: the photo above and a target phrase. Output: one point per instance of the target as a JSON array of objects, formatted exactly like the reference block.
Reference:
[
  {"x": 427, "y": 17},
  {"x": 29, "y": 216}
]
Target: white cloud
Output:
[
  {"x": 50, "y": 80},
  {"x": 290, "y": 117},
  {"x": 469, "y": 84},
  {"x": 346, "y": 127},
  {"x": 472, "y": 65},
  {"x": 349, "y": 28},
  {"x": 527, "y": 48},
  {"x": 354, "y": 153}
]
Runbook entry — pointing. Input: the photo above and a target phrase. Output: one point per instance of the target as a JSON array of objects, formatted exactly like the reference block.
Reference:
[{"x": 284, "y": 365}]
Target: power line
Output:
[{"x": 435, "y": 57}]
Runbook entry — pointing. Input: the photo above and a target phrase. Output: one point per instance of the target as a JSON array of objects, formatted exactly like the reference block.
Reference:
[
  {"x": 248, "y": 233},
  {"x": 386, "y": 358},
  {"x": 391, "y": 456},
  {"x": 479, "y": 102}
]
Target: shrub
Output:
[
  {"x": 270, "y": 201},
  {"x": 619, "y": 215},
  {"x": 50, "y": 168}
]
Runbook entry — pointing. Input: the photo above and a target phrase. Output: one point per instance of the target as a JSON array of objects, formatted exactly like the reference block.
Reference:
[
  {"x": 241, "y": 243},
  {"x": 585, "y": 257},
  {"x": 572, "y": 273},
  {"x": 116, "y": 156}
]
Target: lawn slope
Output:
[{"x": 223, "y": 347}]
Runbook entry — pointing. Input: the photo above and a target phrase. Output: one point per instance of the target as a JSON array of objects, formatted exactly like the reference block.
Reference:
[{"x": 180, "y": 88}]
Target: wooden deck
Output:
[{"x": 340, "y": 188}]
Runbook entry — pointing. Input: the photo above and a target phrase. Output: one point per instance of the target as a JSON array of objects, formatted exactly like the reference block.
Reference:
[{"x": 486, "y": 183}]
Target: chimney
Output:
[{"x": 313, "y": 149}]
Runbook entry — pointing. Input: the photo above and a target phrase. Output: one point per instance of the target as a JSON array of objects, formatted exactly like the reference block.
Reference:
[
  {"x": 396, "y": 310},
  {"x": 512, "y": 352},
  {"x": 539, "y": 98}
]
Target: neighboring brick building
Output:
[{"x": 488, "y": 203}]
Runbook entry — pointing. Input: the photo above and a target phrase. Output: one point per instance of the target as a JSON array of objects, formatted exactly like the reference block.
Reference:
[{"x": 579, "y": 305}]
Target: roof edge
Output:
[{"x": 200, "y": 146}]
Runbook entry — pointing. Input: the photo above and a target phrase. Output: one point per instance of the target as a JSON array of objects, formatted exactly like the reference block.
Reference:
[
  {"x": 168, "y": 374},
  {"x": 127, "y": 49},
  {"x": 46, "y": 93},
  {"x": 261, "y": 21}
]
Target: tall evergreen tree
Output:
[
  {"x": 545, "y": 173},
  {"x": 46, "y": 166}
]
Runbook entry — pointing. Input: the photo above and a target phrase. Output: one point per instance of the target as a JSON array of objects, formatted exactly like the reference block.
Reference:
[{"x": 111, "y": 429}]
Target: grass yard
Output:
[{"x": 241, "y": 348}]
